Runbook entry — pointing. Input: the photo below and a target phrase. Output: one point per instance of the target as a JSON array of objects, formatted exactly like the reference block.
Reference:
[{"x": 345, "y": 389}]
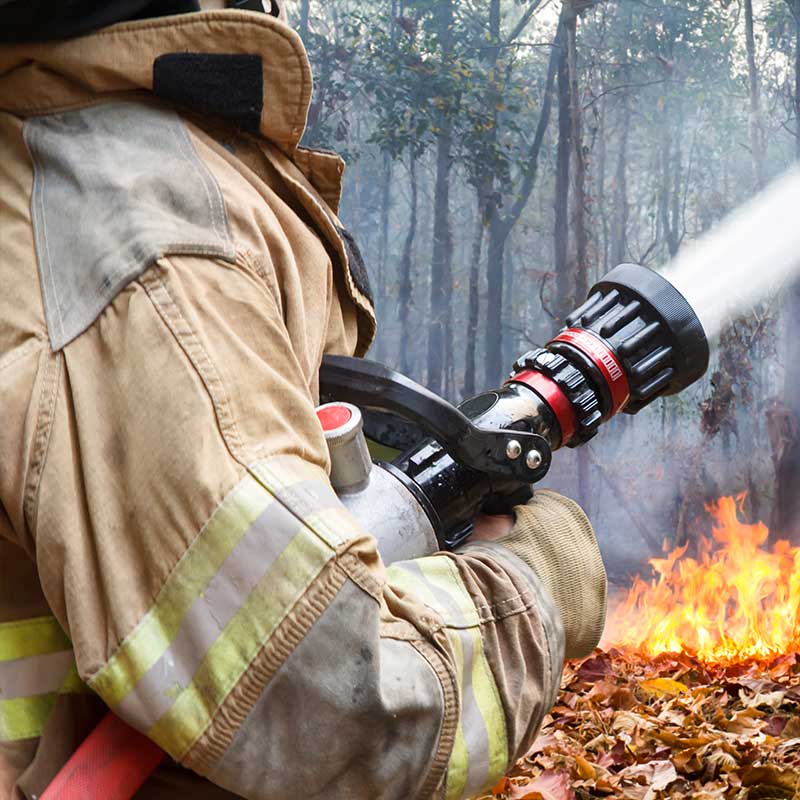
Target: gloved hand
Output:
[{"x": 555, "y": 539}]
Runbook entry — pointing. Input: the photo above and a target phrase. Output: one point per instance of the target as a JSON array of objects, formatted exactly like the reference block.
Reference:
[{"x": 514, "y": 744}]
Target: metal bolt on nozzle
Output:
[
  {"x": 513, "y": 450},
  {"x": 533, "y": 459}
]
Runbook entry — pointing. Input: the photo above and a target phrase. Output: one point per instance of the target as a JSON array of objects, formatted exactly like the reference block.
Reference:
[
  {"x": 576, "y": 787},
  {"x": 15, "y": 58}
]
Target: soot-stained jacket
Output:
[{"x": 172, "y": 271}]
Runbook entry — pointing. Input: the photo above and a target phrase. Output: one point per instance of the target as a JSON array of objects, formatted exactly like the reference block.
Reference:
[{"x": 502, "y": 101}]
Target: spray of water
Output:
[{"x": 750, "y": 254}]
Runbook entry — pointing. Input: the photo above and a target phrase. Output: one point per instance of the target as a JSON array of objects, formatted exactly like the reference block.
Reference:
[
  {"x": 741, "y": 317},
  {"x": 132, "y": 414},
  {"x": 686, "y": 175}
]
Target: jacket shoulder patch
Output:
[{"x": 116, "y": 187}]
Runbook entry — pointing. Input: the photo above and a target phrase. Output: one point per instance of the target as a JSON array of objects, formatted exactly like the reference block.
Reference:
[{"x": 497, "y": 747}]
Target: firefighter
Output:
[{"x": 172, "y": 270}]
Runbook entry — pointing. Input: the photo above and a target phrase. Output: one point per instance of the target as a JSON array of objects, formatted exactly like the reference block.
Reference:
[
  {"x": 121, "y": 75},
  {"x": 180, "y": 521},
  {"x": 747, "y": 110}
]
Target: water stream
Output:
[{"x": 753, "y": 252}]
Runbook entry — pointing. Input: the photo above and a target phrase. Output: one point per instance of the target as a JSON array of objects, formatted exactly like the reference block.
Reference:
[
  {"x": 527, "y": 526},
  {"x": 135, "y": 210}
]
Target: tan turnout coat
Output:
[{"x": 170, "y": 547}]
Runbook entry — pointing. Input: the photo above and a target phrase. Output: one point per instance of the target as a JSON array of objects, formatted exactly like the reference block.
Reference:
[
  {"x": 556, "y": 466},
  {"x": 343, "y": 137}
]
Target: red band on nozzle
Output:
[
  {"x": 604, "y": 358},
  {"x": 551, "y": 393}
]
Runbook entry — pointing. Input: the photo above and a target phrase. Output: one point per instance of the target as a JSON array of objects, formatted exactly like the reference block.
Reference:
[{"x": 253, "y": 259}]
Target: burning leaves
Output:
[
  {"x": 736, "y": 599},
  {"x": 698, "y": 697},
  {"x": 671, "y": 726}
]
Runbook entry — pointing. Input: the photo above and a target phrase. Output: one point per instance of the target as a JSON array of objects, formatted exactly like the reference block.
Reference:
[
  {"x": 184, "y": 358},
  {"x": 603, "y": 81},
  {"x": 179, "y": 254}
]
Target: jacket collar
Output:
[{"x": 42, "y": 78}]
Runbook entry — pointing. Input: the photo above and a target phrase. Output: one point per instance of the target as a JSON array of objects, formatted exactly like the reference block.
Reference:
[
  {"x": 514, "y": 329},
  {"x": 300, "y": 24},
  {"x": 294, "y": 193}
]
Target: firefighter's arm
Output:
[{"x": 220, "y": 598}]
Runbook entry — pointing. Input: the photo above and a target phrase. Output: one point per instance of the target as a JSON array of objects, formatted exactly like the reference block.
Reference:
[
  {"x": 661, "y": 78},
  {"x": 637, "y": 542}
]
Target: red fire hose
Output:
[{"x": 111, "y": 764}]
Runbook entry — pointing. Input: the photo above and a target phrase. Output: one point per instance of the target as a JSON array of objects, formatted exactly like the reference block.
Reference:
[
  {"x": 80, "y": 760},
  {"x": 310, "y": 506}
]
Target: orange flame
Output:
[{"x": 736, "y": 601}]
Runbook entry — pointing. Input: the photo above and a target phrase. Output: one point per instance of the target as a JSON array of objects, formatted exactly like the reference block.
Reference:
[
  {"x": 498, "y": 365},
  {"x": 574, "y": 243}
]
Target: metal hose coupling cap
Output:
[{"x": 351, "y": 463}]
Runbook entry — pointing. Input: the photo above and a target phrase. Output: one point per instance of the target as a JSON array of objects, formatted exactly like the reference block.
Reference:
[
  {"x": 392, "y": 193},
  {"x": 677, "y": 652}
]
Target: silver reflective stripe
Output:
[
  {"x": 248, "y": 568},
  {"x": 548, "y": 613},
  {"x": 25, "y": 677},
  {"x": 214, "y": 608},
  {"x": 307, "y": 494},
  {"x": 475, "y": 734},
  {"x": 481, "y": 749},
  {"x": 350, "y": 715},
  {"x": 36, "y": 666}
]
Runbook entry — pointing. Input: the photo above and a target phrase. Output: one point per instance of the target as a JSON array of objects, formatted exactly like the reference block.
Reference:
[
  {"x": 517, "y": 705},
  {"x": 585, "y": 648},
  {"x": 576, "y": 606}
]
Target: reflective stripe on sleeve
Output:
[
  {"x": 480, "y": 753},
  {"x": 254, "y": 559},
  {"x": 36, "y": 665}
]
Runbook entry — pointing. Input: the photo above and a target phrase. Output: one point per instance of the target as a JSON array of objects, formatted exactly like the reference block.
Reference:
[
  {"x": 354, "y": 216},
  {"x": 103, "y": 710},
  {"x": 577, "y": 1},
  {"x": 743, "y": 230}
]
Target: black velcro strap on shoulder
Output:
[
  {"x": 229, "y": 85},
  {"x": 358, "y": 269}
]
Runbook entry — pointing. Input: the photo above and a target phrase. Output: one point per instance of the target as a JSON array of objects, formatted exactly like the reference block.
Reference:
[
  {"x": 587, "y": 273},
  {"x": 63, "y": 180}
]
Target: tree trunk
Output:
[
  {"x": 579, "y": 262},
  {"x": 304, "y": 13},
  {"x": 500, "y": 227},
  {"x": 669, "y": 196},
  {"x": 579, "y": 266},
  {"x": 784, "y": 426},
  {"x": 495, "y": 313},
  {"x": 604, "y": 234},
  {"x": 407, "y": 267},
  {"x": 619, "y": 246},
  {"x": 441, "y": 262},
  {"x": 756, "y": 131},
  {"x": 797, "y": 76},
  {"x": 474, "y": 301},
  {"x": 564, "y": 295},
  {"x": 383, "y": 245}
]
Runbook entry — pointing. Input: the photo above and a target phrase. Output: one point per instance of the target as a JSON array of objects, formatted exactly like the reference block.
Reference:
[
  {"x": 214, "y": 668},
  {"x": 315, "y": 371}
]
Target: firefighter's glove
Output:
[{"x": 554, "y": 537}]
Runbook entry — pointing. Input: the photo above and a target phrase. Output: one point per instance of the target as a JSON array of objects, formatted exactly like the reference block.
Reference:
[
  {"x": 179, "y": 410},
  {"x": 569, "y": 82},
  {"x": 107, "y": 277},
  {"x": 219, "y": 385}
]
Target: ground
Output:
[{"x": 641, "y": 728}]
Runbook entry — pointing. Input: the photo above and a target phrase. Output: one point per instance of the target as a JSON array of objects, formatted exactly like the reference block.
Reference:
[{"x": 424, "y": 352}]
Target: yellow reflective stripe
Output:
[
  {"x": 490, "y": 705},
  {"x": 152, "y": 636},
  {"x": 277, "y": 592},
  {"x": 31, "y": 637},
  {"x": 252, "y": 562},
  {"x": 442, "y": 574},
  {"x": 458, "y": 766},
  {"x": 25, "y": 717},
  {"x": 72, "y": 682},
  {"x": 333, "y": 525},
  {"x": 32, "y": 643},
  {"x": 480, "y": 755},
  {"x": 410, "y": 584}
]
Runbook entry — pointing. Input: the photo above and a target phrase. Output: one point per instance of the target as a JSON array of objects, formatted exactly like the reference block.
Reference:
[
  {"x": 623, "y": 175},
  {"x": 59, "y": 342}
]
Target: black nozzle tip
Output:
[{"x": 680, "y": 323}]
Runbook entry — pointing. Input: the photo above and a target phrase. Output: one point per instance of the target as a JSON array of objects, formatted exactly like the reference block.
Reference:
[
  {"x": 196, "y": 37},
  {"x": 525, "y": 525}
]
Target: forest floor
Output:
[{"x": 645, "y": 728}]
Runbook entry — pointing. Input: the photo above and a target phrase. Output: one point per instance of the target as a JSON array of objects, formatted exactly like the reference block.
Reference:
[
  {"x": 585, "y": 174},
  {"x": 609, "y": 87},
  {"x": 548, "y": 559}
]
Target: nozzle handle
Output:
[{"x": 368, "y": 384}]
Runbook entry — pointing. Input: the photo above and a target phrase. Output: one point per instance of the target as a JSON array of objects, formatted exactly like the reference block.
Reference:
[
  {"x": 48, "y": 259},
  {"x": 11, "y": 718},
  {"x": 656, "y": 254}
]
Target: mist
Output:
[{"x": 504, "y": 155}]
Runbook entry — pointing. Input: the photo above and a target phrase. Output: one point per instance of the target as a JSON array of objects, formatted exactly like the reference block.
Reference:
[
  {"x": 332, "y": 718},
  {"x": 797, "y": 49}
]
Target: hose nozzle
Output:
[{"x": 635, "y": 338}]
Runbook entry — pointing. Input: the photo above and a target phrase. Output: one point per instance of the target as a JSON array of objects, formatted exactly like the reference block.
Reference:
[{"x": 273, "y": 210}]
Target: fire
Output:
[{"x": 739, "y": 599}]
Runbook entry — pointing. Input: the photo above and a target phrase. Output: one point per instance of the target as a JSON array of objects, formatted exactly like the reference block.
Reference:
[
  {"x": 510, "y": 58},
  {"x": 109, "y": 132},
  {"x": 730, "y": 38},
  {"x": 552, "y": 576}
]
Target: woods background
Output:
[{"x": 504, "y": 154}]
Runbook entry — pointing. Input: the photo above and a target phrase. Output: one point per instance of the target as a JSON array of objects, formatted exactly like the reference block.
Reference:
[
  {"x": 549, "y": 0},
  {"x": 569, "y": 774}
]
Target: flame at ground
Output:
[{"x": 738, "y": 599}]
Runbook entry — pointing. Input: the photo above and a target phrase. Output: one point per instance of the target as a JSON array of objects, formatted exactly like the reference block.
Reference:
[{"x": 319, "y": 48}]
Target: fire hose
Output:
[{"x": 635, "y": 339}]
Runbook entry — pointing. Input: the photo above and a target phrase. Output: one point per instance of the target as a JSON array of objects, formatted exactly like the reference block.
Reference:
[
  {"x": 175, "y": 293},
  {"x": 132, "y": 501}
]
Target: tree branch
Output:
[
  {"x": 523, "y": 21},
  {"x": 529, "y": 181}
]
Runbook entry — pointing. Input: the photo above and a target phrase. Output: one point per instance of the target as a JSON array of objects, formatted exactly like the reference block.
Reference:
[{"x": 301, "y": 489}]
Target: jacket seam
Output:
[
  {"x": 451, "y": 713},
  {"x": 18, "y": 353},
  {"x": 203, "y": 756},
  {"x": 254, "y": 263},
  {"x": 328, "y": 232},
  {"x": 41, "y": 441},
  {"x": 183, "y": 332}
]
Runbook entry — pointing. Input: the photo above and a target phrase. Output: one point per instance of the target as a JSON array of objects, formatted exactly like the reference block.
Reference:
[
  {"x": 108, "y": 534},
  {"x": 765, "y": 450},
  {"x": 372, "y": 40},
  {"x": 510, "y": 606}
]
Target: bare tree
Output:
[
  {"x": 756, "y": 129},
  {"x": 440, "y": 338}
]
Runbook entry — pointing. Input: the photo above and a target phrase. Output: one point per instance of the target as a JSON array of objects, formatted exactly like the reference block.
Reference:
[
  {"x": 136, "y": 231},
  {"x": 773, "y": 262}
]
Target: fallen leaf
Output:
[
  {"x": 771, "y": 776},
  {"x": 663, "y": 686},
  {"x": 792, "y": 728},
  {"x": 595, "y": 668},
  {"x": 775, "y": 725},
  {"x": 657, "y": 775},
  {"x": 585, "y": 769},
  {"x": 548, "y": 786}
]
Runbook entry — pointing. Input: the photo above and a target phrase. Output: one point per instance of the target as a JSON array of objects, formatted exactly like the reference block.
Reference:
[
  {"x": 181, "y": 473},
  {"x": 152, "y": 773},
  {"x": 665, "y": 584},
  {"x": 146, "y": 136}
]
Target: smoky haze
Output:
[{"x": 505, "y": 155}]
